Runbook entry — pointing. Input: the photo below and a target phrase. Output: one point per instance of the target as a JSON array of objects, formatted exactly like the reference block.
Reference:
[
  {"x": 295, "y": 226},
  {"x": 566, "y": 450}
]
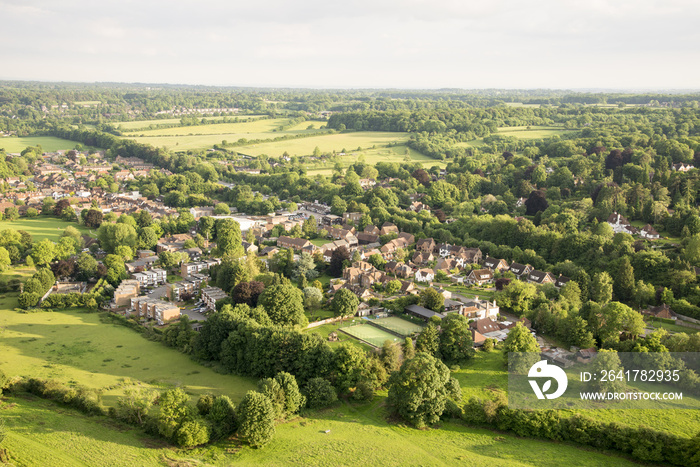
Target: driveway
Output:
[{"x": 193, "y": 315}]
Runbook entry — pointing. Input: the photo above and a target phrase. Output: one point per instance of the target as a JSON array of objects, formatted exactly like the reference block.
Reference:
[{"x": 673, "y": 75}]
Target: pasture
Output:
[
  {"x": 48, "y": 143},
  {"x": 533, "y": 132},
  {"x": 42, "y": 227},
  {"x": 397, "y": 325},
  {"x": 77, "y": 347},
  {"x": 145, "y": 124},
  {"x": 326, "y": 143},
  {"x": 399, "y": 154},
  {"x": 369, "y": 333},
  {"x": 206, "y": 136},
  {"x": 44, "y": 433}
]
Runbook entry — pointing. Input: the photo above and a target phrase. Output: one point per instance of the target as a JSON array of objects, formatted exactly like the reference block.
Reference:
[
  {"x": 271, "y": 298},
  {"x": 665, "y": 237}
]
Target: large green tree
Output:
[
  {"x": 284, "y": 304},
  {"x": 344, "y": 303},
  {"x": 456, "y": 342},
  {"x": 419, "y": 391},
  {"x": 256, "y": 419}
]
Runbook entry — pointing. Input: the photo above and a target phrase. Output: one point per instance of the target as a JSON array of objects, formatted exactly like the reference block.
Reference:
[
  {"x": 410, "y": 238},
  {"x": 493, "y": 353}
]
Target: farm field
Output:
[
  {"x": 75, "y": 346},
  {"x": 43, "y": 227},
  {"x": 326, "y": 143},
  {"x": 398, "y": 325},
  {"x": 369, "y": 333},
  {"x": 43, "y": 433},
  {"x": 520, "y": 132},
  {"x": 371, "y": 156},
  {"x": 206, "y": 136},
  {"x": 534, "y": 132},
  {"x": 144, "y": 124},
  {"x": 48, "y": 143}
]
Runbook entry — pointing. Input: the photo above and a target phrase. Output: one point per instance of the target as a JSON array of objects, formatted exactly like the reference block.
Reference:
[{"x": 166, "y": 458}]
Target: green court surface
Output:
[
  {"x": 397, "y": 325},
  {"x": 370, "y": 334}
]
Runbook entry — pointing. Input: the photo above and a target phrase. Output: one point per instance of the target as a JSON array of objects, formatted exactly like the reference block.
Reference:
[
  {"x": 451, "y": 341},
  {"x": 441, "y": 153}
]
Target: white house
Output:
[{"x": 425, "y": 275}]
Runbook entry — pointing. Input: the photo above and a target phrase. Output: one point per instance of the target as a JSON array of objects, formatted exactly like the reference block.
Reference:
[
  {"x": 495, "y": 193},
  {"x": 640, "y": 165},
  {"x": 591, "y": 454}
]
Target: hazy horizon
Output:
[{"x": 410, "y": 44}]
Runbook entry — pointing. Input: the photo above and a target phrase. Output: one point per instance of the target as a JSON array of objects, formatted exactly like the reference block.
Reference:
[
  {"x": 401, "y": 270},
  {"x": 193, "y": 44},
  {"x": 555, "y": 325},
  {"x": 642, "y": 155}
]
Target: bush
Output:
[{"x": 319, "y": 393}]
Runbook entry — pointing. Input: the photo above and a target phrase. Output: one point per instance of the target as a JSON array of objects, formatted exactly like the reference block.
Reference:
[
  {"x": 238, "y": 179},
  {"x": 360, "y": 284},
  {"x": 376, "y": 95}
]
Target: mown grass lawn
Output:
[
  {"x": 44, "y": 433},
  {"x": 42, "y": 227},
  {"x": 77, "y": 347}
]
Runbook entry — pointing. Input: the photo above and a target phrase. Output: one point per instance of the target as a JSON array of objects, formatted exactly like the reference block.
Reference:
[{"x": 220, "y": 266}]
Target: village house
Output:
[
  {"x": 425, "y": 245},
  {"x": 540, "y": 277},
  {"x": 141, "y": 264},
  {"x": 480, "y": 276},
  {"x": 561, "y": 281},
  {"x": 520, "y": 269},
  {"x": 372, "y": 229},
  {"x": 648, "y": 232},
  {"x": 479, "y": 309},
  {"x": 620, "y": 224},
  {"x": 296, "y": 244},
  {"x": 662, "y": 311},
  {"x": 494, "y": 264},
  {"x": 425, "y": 275},
  {"x": 388, "y": 228},
  {"x": 422, "y": 258},
  {"x": 352, "y": 217},
  {"x": 417, "y": 206},
  {"x": 681, "y": 167},
  {"x": 367, "y": 238}
]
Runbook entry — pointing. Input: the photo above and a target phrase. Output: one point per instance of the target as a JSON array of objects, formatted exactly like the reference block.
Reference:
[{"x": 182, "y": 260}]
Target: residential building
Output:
[
  {"x": 189, "y": 287},
  {"x": 156, "y": 309},
  {"x": 127, "y": 290},
  {"x": 541, "y": 277},
  {"x": 495, "y": 264},
  {"x": 187, "y": 269},
  {"x": 520, "y": 269},
  {"x": 296, "y": 244},
  {"x": 211, "y": 295},
  {"x": 151, "y": 277},
  {"x": 662, "y": 311},
  {"x": 480, "y": 276},
  {"x": 425, "y": 275}
]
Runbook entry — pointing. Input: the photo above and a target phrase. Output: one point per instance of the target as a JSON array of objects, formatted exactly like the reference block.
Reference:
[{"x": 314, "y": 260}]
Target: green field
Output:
[
  {"x": 144, "y": 124},
  {"x": 74, "y": 346},
  {"x": 43, "y": 227},
  {"x": 533, "y": 132},
  {"x": 44, "y": 433},
  {"x": 206, "y": 136},
  {"x": 371, "y": 156},
  {"x": 398, "y": 325},
  {"x": 371, "y": 334},
  {"x": 326, "y": 143},
  {"x": 48, "y": 143},
  {"x": 486, "y": 373}
]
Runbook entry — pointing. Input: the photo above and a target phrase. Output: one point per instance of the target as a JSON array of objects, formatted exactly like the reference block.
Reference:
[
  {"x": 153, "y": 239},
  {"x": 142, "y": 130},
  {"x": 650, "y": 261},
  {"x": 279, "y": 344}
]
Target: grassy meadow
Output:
[
  {"x": 396, "y": 153},
  {"x": 42, "y": 227},
  {"x": 48, "y": 143},
  {"x": 44, "y": 433},
  {"x": 145, "y": 124},
  {"x": 326, "y": 143},
  {"x": 206, "y": 136},
  {"x": 77, "y": 347}
]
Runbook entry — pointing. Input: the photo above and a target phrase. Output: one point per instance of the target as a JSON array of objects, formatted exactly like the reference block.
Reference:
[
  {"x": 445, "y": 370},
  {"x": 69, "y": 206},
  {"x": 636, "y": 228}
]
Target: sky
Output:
[{"x": 419, "y": 44}]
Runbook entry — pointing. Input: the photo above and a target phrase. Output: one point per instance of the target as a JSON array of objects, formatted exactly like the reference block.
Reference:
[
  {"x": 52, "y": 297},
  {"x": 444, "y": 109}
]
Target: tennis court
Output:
[
  {"x": 397, "y": 325},
  {"x": 370, "y": 334}
]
